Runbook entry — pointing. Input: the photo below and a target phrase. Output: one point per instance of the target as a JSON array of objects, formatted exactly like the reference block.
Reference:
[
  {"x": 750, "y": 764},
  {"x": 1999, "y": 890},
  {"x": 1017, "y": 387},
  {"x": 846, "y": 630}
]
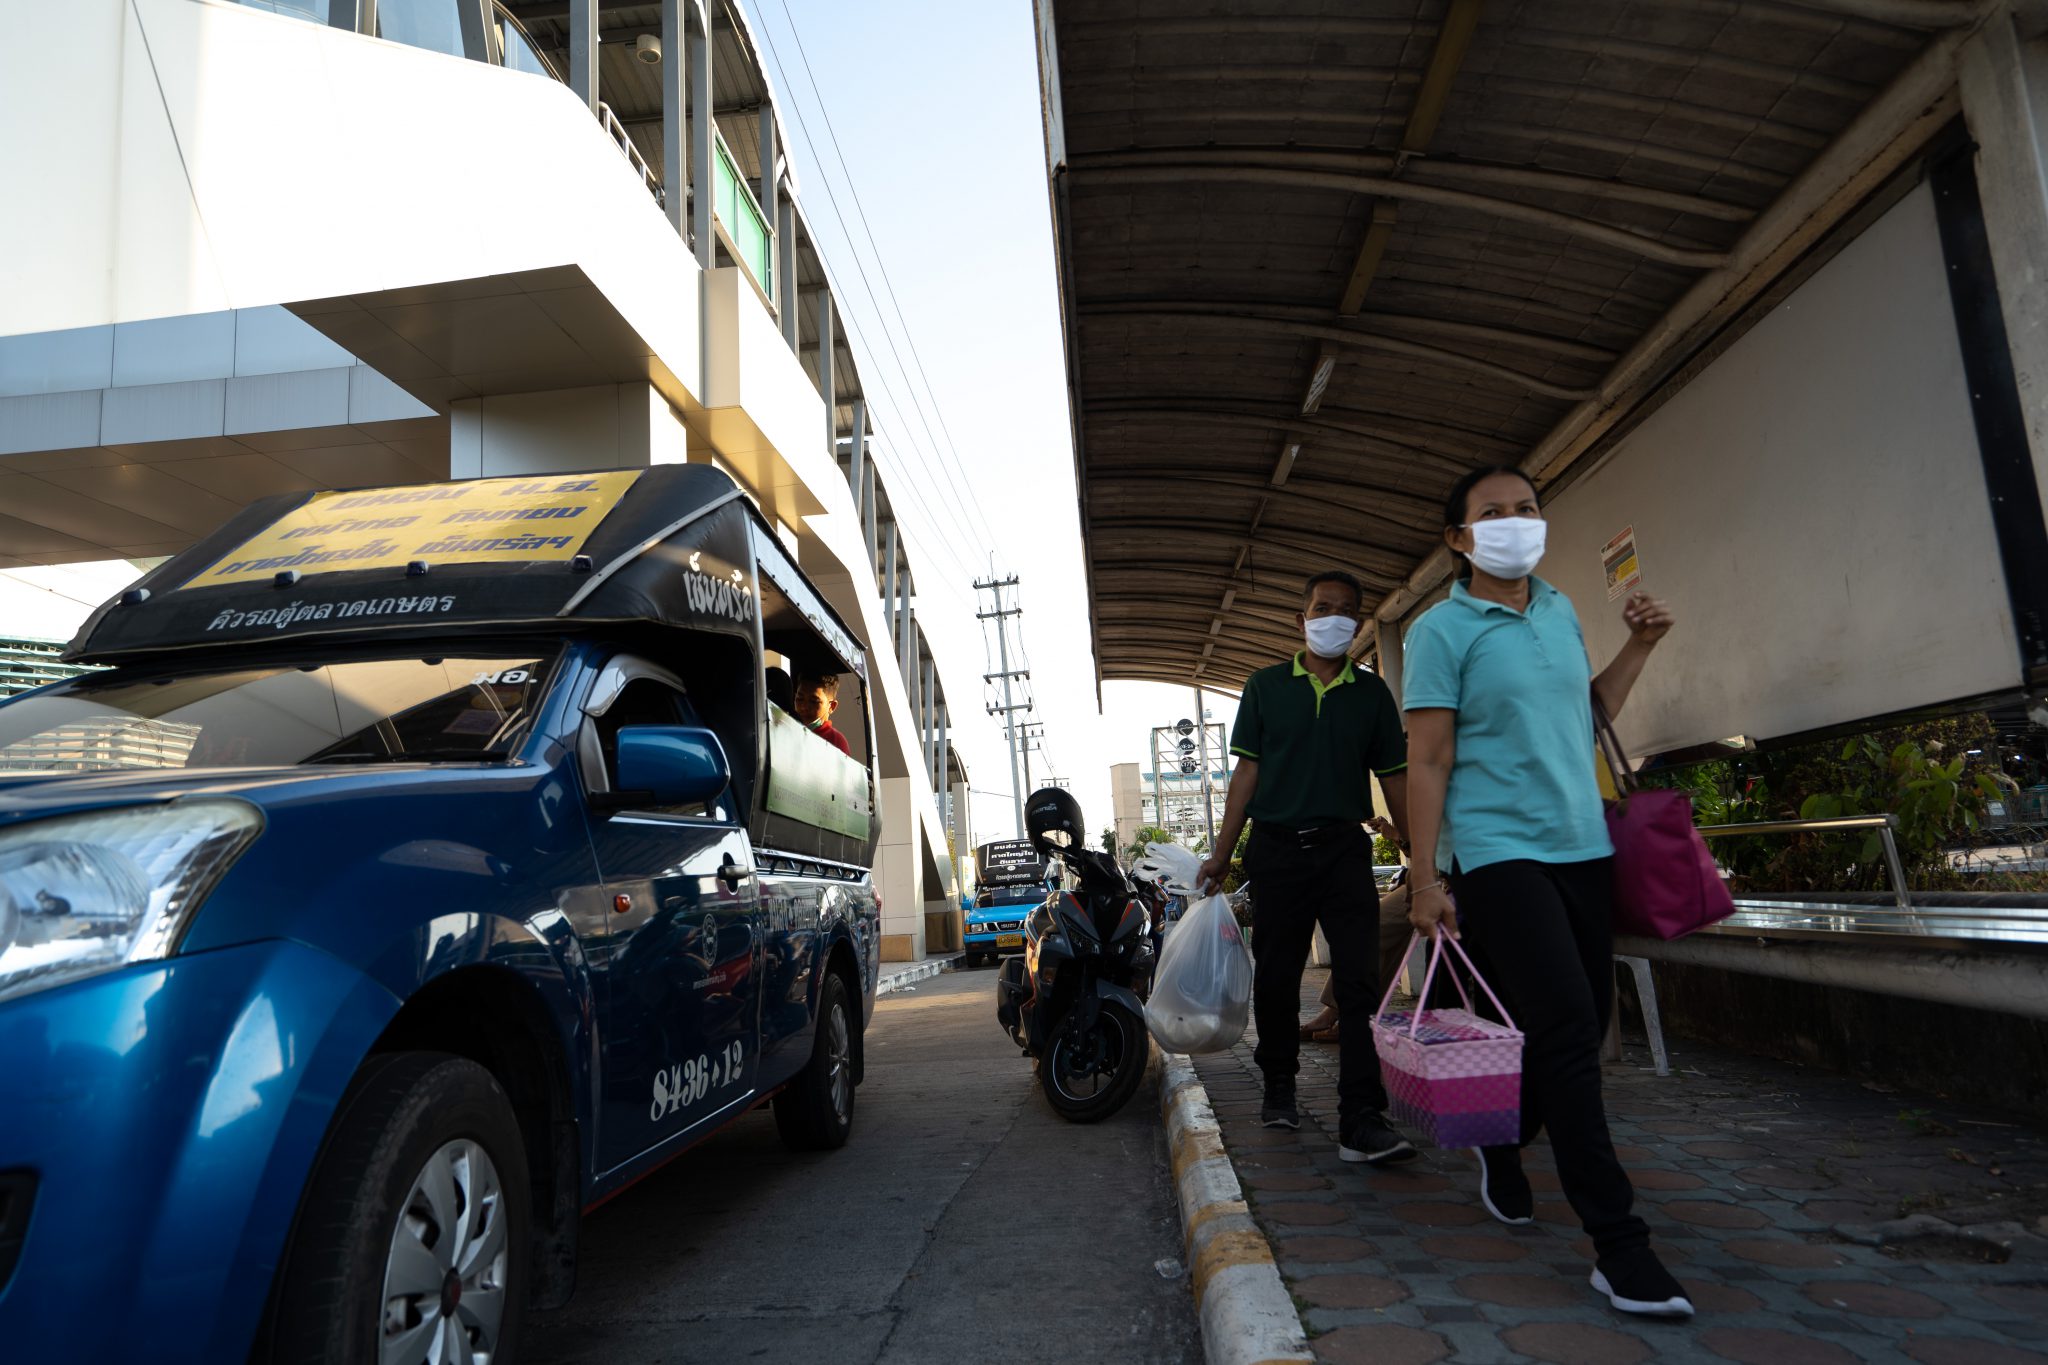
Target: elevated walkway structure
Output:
[
  {"x": 258, "y": 252},
  {"x": 1751, "y": 291}
]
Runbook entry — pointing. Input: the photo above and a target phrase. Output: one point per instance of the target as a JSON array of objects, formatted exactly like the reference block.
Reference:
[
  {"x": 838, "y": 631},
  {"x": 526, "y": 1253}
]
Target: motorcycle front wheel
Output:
[{"x": 1087, "y": 1077}]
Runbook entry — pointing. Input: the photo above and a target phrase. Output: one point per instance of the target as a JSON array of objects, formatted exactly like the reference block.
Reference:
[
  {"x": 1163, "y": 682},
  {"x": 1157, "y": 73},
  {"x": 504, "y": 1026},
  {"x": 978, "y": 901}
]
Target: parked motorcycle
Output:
[{"x": 1075, "y": 1001}]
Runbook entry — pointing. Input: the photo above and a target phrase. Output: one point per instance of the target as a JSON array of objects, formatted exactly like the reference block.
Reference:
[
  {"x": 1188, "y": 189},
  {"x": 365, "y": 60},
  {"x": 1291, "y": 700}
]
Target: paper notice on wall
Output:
[{"x": 1624, "y": 569}]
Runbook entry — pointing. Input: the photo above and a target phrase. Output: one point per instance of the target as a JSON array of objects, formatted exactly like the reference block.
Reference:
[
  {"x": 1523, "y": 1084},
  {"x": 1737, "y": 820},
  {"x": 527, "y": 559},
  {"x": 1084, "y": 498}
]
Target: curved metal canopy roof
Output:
[{"x": 1320, "y": 257}]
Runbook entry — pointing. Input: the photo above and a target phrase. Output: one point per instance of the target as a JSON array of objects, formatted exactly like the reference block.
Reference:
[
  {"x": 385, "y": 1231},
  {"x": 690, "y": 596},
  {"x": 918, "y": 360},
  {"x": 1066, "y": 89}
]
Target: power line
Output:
[{"x": 963, "y": 501}]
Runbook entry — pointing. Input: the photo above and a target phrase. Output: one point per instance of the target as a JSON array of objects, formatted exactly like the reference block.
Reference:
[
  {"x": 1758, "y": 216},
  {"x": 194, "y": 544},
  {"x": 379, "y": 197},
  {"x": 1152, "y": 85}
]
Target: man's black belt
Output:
[{"x": 1310, "y": 836}]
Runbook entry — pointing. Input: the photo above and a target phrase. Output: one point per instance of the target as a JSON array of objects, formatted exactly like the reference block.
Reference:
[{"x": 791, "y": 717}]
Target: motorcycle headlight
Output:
[{"x": 87, "y": 893}]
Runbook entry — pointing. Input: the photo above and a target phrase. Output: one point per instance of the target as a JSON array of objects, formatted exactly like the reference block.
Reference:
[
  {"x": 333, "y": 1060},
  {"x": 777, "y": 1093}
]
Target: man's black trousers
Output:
[
  {"x": 1542, "y": 935},
  {"x": 1298, "y": 880}
]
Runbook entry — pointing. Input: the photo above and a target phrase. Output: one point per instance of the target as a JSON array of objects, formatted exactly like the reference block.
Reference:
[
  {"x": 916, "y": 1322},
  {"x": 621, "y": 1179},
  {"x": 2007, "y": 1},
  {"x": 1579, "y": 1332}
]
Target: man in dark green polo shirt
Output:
[{"x": 1308, "y": 732}]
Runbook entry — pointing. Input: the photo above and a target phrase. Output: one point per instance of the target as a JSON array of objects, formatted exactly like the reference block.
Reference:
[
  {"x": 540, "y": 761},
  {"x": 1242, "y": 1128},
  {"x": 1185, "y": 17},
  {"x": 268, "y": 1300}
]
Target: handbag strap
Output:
[
  {"x": 1436, "y": 956},
  {"x": 1611, "y": 750}
]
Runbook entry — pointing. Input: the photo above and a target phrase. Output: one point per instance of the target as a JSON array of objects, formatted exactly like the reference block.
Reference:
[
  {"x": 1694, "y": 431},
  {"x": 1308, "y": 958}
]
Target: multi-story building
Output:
[{"x": 323, "y": 243}]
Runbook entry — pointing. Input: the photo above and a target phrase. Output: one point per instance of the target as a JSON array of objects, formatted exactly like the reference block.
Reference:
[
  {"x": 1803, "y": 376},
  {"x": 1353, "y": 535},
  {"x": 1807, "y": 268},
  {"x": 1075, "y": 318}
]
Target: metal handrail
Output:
[
  {"x": 618, "y": 133},
  {"x": 1883, "y": 824}
]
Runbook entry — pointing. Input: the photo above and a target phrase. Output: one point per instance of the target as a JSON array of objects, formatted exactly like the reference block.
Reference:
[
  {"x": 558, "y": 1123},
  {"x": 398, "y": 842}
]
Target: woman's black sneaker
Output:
[
  {"x": 1503, "y": 1187},
  {"x": 1369, "y": 1138},
  {"x": 1278, "y": 1111},
  {"x": 1637, "y": 1282}
]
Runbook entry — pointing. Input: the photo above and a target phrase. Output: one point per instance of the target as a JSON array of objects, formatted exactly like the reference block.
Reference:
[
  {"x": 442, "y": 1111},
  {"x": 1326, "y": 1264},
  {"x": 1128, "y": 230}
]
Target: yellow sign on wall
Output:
[{"x": 480, "y": 521}]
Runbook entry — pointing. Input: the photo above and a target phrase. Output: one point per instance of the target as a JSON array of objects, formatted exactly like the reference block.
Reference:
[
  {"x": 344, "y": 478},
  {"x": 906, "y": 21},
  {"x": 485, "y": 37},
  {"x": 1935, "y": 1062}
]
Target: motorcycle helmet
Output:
[{"x": 1053, "y": 820}]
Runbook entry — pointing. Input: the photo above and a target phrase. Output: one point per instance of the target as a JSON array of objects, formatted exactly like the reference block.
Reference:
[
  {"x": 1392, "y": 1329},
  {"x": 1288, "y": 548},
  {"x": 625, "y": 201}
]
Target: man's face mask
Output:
[{"x": 1329, "y": 636}]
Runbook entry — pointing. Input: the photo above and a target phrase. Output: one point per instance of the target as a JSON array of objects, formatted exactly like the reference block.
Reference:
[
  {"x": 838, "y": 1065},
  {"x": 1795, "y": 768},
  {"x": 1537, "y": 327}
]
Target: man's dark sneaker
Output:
[
  {"x": 1278, "y": 1111},
  {"x": 1637, "y": 1282},
  {"x": 1503, "y": 1188},
  {"x": 1368, "y": 1138}
]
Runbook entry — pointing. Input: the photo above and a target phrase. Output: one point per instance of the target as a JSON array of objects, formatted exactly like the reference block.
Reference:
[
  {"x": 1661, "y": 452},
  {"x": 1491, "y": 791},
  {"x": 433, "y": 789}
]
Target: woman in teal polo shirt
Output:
[{"x": 1504, "y": 799}]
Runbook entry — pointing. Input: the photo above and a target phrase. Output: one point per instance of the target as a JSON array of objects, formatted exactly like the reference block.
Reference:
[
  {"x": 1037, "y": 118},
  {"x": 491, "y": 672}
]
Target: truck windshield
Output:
[{"x": 363, "y": 711}]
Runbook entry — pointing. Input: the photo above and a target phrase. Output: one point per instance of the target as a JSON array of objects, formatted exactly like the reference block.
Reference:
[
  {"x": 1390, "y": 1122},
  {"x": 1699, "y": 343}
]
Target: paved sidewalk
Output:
[{"x": 1753, "y": 1176}]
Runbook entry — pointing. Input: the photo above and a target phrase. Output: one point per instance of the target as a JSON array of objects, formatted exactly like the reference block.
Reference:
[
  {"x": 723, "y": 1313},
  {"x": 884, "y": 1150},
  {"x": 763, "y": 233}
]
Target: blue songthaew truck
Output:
[
  {"x": 1011, "y": 877},
  {"x": 423, "y": 866}
]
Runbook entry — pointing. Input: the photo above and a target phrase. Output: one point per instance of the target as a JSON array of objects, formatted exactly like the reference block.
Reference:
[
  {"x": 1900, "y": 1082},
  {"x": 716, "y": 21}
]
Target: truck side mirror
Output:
[{"x": 669, "y": 765}]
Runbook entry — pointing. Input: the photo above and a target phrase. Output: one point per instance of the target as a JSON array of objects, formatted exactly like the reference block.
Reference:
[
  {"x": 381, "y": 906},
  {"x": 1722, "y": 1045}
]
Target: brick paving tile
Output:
[
  {"x": 1829, "y": 1212},
  {"x": 1668, "y": 1251},
  {"x": 1520, "y": 1291},
  {"x": 1544, "y": 1182},
  {"x": 1675, "y": 1127},
  {"x": 1708, "y": 1213},
  {"x": 1577, "y": 1343},
  {"x": 1350, "y": 1291},
  {"x": 1865, "y": 1299},
  {"x": 1434, "y": 1215},
  {"x": 1380, "y": 1344},
  {"x": 1274, "y": 1159},
  {"x": 1319, "y": 1249},
  {"x": 1721, "y": 1300},
  {"x": 1969, "y": 1351},
  {"x": 1738, "y": 1162},
  {"x": 1461, "y": 1247},
  {"x": 1298, "y": 1215},
  {"x": 1779, "y": 1178},
  {"x": 1717, "y": 1148},
  {"x": 1285, "y": 1182},
  {"x": 2020, "y": 1298},
  {"x": 1788, "y": 1255},
  {"x": 1768, "y": 1346}
]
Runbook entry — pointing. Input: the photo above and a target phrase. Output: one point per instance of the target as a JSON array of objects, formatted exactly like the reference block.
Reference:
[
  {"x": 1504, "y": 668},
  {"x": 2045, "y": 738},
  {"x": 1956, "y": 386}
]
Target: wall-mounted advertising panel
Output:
[{"x": 1813, "y": 505}]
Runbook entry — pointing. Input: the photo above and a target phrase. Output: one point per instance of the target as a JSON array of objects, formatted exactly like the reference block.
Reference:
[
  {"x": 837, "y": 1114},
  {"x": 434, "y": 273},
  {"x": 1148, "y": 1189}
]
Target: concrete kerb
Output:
[
  {"x": 896, "y": 978},
  {"x": 1247, "y": 1315}
]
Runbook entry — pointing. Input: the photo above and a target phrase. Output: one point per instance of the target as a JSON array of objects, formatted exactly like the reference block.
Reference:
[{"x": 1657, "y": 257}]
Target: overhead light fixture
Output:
[
  {"x": 1286, "y": 464},
  {"x": 1317, "y": 382},
  {"x": 647, "y": 48}
]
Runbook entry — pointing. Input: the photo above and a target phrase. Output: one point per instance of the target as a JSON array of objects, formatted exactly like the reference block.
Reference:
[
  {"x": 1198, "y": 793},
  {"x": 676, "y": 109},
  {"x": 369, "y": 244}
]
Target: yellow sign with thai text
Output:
[{"x": 479, "y": 521}]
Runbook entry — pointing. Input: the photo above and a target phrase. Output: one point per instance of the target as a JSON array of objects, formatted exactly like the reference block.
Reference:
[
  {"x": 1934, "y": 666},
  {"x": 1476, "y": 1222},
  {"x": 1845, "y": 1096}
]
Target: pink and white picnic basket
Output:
[{"x": 1451, "y": 1076}]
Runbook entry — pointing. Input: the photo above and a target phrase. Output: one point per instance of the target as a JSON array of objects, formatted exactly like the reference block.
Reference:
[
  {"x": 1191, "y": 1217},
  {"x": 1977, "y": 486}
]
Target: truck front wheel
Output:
[
  {"x": 412, "y": 1241},
  {"x": 815, "y": 1112}
]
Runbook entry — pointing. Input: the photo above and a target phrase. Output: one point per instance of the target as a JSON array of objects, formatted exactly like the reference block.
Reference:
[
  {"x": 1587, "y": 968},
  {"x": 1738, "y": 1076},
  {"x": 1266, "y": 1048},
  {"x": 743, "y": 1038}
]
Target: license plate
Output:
[{"x": 1009, "y": 940}]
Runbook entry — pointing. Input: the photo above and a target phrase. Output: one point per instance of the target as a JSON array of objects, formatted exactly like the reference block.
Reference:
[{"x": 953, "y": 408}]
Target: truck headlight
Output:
[{"x": 82, "y": 894}]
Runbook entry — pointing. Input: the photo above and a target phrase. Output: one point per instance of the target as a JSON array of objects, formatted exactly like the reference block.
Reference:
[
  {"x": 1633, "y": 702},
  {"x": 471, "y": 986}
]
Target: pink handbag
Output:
[
  {"x": 1450, "y": 1075},
  {"x": 1665, "y": 881}
]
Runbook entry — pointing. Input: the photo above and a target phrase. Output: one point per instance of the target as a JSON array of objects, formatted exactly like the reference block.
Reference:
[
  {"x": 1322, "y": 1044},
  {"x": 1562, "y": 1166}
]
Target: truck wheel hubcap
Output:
[{"x": 444, "y": 1275}]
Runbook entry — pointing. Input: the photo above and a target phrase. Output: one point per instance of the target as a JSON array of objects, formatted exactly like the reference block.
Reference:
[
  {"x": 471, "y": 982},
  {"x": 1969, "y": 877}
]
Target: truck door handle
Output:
[{"x": 732, "y": 874}]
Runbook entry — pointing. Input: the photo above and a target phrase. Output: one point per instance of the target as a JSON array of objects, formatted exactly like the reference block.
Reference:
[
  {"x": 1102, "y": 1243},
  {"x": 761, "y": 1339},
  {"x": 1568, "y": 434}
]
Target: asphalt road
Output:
[{"x": 963, "y": 1221}]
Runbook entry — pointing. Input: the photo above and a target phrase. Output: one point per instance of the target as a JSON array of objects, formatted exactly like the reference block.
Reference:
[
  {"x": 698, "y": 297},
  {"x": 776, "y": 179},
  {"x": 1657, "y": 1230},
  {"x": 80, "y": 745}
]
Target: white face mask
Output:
[
  {"x": 1329, "y": 636},
  {"x": 1508, "y": 547}
]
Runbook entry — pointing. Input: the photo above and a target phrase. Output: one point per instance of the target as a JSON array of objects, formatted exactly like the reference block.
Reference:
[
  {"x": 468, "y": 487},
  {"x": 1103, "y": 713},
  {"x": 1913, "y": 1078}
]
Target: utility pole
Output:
[
  {"x": 1010, "y": 707},
  {"x": 1030, "y": 737},
  {"x": 1208, "y": 800}
]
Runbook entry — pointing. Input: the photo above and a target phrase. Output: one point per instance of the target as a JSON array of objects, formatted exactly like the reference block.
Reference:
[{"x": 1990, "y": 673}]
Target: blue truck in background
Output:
[{"x": 1012, "y": 876}]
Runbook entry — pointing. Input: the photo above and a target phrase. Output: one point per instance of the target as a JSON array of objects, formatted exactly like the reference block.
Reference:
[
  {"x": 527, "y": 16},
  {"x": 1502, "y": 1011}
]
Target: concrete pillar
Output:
[
  {"x": 604, "y": 426},
  {"x": 583, "y": 51},
  {"x": 928, "y": 719},
  {"x": 767, "y": 186},
  {"x": 856, "y": 465},
  {"x": 1389, "y": 657},
  {"x": 889, "y": 586},
  {"x": 2003, "y": 79},
  {"x": 675, "y": 147},
  {"x": 785, "y": 232},
  {"x": 703, "y": 171},
  {"x": 899, "y": 872}
]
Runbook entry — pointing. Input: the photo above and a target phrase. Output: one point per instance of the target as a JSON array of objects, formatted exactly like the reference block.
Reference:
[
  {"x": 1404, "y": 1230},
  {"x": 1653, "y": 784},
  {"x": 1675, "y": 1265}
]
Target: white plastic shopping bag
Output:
[{"x": 1202, "y": 987}]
